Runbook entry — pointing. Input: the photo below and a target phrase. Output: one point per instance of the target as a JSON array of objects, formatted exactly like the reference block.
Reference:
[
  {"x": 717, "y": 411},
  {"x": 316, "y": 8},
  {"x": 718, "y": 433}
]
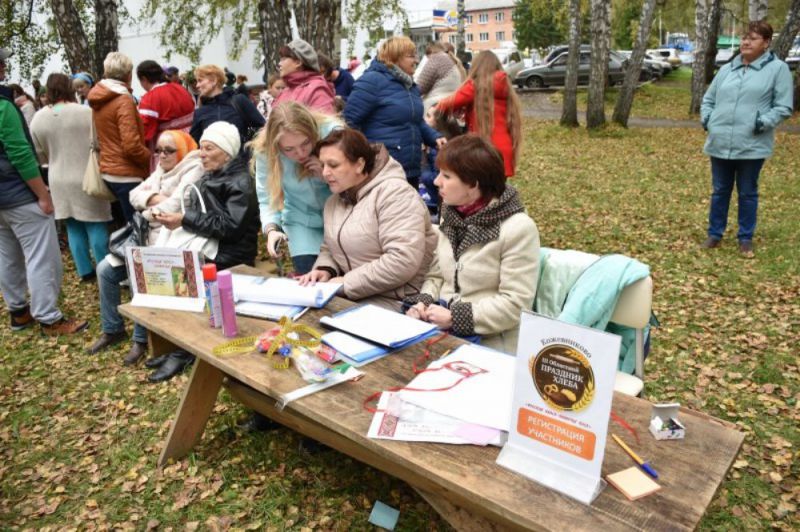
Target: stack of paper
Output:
[
  {"x": 282, "y": 291},
  {"x": 268, "y": 311},
  {"x": 353, "y": 350},
  {"x": 380, "y": 326}
]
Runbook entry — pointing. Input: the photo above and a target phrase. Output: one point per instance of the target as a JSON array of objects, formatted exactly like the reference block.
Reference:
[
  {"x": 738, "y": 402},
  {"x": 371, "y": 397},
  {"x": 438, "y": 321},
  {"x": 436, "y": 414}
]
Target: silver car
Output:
[{"x": 555, "y": 72}]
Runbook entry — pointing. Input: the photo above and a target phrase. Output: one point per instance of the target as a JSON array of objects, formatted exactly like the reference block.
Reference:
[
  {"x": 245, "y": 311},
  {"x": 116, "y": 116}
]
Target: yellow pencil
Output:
[{"x": 644, "y": 465}]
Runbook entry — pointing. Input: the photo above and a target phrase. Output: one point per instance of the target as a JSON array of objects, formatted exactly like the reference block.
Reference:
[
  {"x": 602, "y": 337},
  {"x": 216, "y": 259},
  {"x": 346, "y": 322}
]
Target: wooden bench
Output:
[{"x": 462, "y": 482}]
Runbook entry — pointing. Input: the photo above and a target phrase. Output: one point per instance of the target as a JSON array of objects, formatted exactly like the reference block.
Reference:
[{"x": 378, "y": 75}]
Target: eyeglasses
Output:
[
  {"x": 752, "y": 37},
  {"x": 165, "y": 151}
]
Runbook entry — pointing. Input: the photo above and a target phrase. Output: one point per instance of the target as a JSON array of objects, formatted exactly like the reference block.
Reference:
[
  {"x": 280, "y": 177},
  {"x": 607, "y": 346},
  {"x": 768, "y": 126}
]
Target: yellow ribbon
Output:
[{"x": 287, "y": 326}]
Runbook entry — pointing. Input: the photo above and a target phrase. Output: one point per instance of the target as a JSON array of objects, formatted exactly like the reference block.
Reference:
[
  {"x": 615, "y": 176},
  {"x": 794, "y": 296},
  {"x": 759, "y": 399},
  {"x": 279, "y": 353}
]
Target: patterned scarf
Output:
[
  {"x": 483, "y": 226},
  {"x": 401, "y": 76}
]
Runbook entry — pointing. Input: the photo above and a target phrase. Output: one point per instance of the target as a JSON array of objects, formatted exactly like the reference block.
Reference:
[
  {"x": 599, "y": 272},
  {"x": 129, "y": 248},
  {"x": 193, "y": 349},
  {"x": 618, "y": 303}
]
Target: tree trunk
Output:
[
  {"x": 783, "y": 43},
  {"x": 699, "y": 63},
  {"x": 714, "y": 19},
  {"x": 273, "y": 18},
  {"x": 461, "y": 46},
  {"x": 622, "y": 110},
  {"x": 598, "y": 76},
  {"x": 319, "y": 22},
  {"x": 569, "y": 113},
  {"x": 106, "y": 36},
  {"x": 73, "y": 36},
  {"x": 757, "y": 9}
]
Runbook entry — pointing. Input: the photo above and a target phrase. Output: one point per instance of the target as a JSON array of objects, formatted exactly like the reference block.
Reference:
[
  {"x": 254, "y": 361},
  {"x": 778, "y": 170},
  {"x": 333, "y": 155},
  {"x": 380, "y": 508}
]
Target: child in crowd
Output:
[
  {"x": 448, "y": 126},
  {"x": 275, "y": 86}
]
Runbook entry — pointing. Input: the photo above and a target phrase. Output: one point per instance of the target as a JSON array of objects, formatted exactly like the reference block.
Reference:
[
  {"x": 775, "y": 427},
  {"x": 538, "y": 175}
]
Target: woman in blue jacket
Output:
[
  {"x": 386, "y": 106},
  {"x": 291, "y": 194},
  {"x": 744, "y": 104}
]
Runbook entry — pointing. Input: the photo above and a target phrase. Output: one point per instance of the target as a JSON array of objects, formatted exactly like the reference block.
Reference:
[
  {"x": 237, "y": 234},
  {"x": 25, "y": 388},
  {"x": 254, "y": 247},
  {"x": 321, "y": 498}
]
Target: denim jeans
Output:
[
  {"x": 108, "y": 279},
  {"x": 303, "y": 263},
  {"x": 724, "y": 173},
  {"x": 83, "y": 237}
]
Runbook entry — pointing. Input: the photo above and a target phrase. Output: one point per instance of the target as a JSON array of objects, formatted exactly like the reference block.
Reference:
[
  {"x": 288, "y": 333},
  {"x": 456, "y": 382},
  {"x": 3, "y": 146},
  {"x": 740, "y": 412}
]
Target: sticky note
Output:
[
  {"x": 633, "y": 483},
  {"x": 477, "y": 434},
  {"x": 384, "y": 516}
]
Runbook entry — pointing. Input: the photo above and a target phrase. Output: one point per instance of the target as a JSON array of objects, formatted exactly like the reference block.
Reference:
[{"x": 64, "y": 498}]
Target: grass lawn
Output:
[{"x": 80, "y": 435}]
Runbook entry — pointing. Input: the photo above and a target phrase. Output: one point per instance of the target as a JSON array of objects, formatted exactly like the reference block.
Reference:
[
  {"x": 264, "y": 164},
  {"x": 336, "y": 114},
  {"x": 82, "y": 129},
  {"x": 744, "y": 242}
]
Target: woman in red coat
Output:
[{"x": 491, "y": 107}]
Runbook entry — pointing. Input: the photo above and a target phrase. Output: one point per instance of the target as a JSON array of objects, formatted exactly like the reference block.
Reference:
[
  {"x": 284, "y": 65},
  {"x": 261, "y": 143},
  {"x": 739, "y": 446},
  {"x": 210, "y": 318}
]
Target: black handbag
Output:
[{"x": 134, "y": 233}]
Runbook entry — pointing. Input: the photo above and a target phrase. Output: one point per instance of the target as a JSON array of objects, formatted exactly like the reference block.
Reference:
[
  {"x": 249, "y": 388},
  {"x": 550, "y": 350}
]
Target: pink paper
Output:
[{"x": 477, "y": 434}]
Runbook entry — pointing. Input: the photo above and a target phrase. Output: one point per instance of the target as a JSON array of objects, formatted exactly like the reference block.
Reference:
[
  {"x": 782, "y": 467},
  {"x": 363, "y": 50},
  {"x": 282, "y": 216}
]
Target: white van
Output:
[{"x": 511, "y": 60}]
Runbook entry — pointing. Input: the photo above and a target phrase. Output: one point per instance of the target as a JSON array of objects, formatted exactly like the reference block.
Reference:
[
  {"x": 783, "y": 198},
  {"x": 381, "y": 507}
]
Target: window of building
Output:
[
  {"x": 499, "y": 16},
  {"x": 469, "y": 19},
  {"x": 483, "y": 18},
  {"x": 500, "y": 36},
  {"x": 453, "y": 39},
  {"x": 483, "y": 36},
  {"x": 468, "y": 37}
]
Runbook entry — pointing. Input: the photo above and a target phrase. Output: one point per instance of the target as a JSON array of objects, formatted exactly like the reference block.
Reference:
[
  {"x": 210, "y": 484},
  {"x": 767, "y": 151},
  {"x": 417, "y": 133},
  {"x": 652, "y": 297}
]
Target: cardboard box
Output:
[{"x": 664, "y": 423}]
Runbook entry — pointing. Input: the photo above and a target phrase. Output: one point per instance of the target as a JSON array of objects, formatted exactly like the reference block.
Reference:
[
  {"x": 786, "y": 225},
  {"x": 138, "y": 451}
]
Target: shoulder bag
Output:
[
  {"x": 180, "y": 238},
  {"x": 93, "y": 183}
]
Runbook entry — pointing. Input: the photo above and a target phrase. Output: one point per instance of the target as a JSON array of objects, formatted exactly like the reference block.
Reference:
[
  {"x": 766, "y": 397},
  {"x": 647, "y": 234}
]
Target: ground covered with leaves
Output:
[{"x": 80, "y": 434}]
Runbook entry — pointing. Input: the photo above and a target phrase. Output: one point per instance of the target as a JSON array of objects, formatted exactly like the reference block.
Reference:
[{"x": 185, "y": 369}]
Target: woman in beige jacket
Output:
[
  {"x": 378, "y": 239},
  {"x": 486, "y": 265}
]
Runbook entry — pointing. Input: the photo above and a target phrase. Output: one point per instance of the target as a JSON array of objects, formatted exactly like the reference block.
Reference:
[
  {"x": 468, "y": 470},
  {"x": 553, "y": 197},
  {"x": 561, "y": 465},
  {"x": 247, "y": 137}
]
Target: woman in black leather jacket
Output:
[{"x": 229, "y": 194}]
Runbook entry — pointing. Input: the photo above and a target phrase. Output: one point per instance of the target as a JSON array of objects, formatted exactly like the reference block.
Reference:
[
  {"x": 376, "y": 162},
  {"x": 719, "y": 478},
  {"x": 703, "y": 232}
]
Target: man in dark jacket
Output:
[{"x": 30, "y": 260}]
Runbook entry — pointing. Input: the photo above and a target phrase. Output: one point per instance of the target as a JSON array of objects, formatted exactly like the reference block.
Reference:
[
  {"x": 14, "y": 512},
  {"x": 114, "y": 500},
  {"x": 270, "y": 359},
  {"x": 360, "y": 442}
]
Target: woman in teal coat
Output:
[
  {"x": 742, "y": 107},
  {"x": 291, "y": 194}
]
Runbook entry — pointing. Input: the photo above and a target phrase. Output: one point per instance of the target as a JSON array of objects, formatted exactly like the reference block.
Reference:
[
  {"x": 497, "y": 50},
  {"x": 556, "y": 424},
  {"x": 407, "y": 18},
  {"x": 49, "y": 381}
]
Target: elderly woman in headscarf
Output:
[
  {"x": 228, "y": 192},
  {"x": 82, "y": 83},
  {"x": 179, "y": 165}
]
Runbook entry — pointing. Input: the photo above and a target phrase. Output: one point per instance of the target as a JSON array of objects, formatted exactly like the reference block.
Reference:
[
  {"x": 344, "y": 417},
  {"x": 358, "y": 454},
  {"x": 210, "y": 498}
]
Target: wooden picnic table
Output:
[{"x": 462, "y": 482}]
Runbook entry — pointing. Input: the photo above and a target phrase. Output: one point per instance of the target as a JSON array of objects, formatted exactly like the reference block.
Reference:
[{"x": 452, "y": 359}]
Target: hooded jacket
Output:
[
  {"x": 379, "y": 238},
  {"x": 464, "y": 98},
  {"x": 232, "y": 216},
  {"x": 227, "y": 106},
  {"x": 120, "y": 133},
  {"x": 389, "y": 113},
  {"x": 743, "y": 106},
  {"x": 309, "y": 88}
]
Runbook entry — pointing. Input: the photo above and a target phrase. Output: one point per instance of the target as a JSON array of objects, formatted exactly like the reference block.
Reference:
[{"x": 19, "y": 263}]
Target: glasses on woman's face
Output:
[
  {"x": 752, "y": 37},
  {"x": 165, "y": 151}
]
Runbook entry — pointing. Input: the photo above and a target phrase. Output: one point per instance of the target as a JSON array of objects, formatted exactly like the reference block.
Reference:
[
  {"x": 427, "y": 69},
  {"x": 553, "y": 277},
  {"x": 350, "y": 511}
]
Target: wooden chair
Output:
[{"x": 633, "y": 310}]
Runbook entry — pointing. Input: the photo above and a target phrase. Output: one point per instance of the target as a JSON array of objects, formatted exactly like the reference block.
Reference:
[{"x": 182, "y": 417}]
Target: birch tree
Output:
[
  {"x": 106, "y": 31},
  {"x": 757, "y": 9},
  {"x": 73, "y": 36},
  {"x": 783, "y": 43},
  {"x": 275, "y": 31},
  {"x": 569, "y": 112},
  {"x": 713, "y": 25},
  {"x": 461, "y": 46},
  {"x": 319, "y": 22},
  {"x": 700, "y": 49},
  {"x": 598, "y": 77},
  {"x": 622, "y": 110}
]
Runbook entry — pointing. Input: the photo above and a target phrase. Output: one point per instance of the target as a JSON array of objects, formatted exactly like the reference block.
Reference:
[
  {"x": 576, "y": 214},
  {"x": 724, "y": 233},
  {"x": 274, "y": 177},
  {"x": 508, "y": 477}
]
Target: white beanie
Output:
[{"x": 225, "y": 135}]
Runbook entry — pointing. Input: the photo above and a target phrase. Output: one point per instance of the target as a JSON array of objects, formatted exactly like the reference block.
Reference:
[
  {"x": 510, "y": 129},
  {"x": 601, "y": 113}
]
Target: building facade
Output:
[{"x": 489, "y": 25}]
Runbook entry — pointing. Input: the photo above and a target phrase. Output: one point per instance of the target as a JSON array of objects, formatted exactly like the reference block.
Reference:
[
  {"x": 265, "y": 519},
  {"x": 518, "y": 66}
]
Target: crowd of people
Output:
[{"x": 331, "y": 165}]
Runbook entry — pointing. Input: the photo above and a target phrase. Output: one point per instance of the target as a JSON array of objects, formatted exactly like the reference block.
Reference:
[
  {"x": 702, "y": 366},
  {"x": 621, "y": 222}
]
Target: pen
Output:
[{"x": 644, "y": 465}]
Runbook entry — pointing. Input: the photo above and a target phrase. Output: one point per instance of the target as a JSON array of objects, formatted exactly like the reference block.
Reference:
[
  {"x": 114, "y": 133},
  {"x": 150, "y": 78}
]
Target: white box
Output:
[{"x": 664, "y": 423}]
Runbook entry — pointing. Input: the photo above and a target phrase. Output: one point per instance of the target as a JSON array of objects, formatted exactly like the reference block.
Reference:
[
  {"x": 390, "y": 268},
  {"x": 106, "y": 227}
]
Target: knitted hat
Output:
[
  {"x": 183, "y": 142},
  {"x": 225, "y": 136},
  {"x": 305, "y": 53}
]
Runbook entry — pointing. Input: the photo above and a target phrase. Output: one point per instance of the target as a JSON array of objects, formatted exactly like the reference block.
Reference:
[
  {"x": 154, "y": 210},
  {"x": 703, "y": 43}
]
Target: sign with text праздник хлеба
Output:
[{"x": 563, "y": 387}]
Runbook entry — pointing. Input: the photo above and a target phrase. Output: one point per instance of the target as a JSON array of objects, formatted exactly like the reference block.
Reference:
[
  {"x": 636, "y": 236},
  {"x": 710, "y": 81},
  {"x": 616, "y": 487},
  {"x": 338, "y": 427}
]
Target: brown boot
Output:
[
  {"x": 106, "y": 340},
  {"x": 710, "y": 243},
  {"x": 64, "y": 326},
  {"x": 138, "y": 350}
]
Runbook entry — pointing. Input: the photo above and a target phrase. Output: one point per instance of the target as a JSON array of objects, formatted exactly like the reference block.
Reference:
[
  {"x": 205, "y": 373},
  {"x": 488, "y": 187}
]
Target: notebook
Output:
[
  {"x": 355, "y": 351},
  {"x": 380, "y": 326},
  {"x": 633, "y": 483},
  {"x": 269, "y": 311},
  {"x": 282, "y": 291}
]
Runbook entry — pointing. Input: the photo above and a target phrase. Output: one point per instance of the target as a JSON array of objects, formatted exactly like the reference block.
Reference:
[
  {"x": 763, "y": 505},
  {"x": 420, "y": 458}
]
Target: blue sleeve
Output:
[
  {"x": 782, "y": 100},
  {"x": 362, "y": 101},
  {"x": 710, "y": 97},
  {"x": 429, "y": 135}
]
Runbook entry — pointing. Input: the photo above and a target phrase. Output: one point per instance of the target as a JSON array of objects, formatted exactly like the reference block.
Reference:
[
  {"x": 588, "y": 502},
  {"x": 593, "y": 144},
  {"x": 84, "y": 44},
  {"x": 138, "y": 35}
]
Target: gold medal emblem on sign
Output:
[{"x": 563, "y": 377}]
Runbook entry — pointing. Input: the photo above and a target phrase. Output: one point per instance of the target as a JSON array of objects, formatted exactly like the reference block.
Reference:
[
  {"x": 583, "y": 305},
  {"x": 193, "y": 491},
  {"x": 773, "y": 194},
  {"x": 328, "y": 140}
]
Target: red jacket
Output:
[
  {"x": 464, "y": 98},
  {"x": 308, "y": 88},
  {"x": 164, "y": 103}
]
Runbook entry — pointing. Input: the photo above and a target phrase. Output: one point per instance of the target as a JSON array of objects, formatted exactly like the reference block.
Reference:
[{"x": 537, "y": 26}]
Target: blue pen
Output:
[{"x": 644, "y": 465}]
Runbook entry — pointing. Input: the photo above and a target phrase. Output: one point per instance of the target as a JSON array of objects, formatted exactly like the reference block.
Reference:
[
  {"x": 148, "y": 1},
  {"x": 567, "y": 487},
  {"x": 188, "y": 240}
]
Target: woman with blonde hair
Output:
[
  {"x": 291, "y": 194},
  {"x": 491, "y": 106},
  {"x": 386, "y": 107}
]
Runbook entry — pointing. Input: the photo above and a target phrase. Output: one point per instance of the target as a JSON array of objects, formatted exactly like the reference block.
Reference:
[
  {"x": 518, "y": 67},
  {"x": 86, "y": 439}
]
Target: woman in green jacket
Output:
[{"x": 744, "y": 104}]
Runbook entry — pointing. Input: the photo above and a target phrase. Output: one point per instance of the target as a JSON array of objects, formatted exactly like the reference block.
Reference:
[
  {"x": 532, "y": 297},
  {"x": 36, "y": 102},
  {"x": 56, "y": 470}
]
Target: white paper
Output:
[
  {"x": 484, "y": 399},
  {"x": 282, "y": 291},
  {"x": 403, "y": 421},
  {"x": 378, "y": 325},
  {"x": 338, "y": 378},
  {"x": 268, "y": 311}
]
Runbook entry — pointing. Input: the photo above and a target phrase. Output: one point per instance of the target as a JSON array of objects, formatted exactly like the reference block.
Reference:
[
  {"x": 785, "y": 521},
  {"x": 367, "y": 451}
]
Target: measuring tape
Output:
[{"x": 287, "y": 328}]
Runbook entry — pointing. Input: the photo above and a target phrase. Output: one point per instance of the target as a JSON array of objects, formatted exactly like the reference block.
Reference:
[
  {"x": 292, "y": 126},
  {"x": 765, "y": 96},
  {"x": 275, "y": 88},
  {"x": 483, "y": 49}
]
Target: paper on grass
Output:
[
  {"x": 379, "y": 325},
  {"x": 484, "y": 399},
  {"x": 403, "y": 421},
  {"x": 282, "y": 291}
]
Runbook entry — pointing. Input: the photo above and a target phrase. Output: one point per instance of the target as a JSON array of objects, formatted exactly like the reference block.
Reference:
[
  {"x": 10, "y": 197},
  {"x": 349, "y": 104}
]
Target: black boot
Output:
[
  {"x": 157, "y": 362},
  {"x": 176, "y": 362}
]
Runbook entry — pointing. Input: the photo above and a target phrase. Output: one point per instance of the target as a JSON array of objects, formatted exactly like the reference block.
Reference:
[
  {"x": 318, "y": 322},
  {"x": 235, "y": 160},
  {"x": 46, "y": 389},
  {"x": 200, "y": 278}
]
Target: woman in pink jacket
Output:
[{"x": 299, "y": 69}]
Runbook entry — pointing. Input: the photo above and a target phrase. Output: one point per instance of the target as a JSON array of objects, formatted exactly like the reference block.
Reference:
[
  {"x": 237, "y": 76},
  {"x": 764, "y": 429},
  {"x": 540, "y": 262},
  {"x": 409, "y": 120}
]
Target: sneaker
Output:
[
  {"x": 64, "y": 326},
  {"x": 710, "y": 243},
  {"x": 21, "y": 319},
  {"x": 746, "y": 248}
]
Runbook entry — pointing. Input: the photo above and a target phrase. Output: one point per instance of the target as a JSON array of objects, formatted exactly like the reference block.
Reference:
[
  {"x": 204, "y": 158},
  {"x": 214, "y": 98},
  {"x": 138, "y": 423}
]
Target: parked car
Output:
[
  {"x": 651, "y": 70},
  {"x": 793, "y": 58},
  {"x": 669, "y": 54},
  {"x": 555, "y": 72},
  {"x": 511, "y": 61},
  {"x": 666, "y": 66}
]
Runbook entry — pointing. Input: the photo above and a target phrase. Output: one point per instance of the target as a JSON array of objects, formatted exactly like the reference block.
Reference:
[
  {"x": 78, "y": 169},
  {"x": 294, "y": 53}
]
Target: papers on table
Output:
[
  {"x": 268, "y": 311},
  {"x": 400, "y": 420},
  {"x": 484, "y": 399},
  {"x": 282, "y": 291},
  {"x": 380, "y": 326},
  {"x": 354, "y": 350}
]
